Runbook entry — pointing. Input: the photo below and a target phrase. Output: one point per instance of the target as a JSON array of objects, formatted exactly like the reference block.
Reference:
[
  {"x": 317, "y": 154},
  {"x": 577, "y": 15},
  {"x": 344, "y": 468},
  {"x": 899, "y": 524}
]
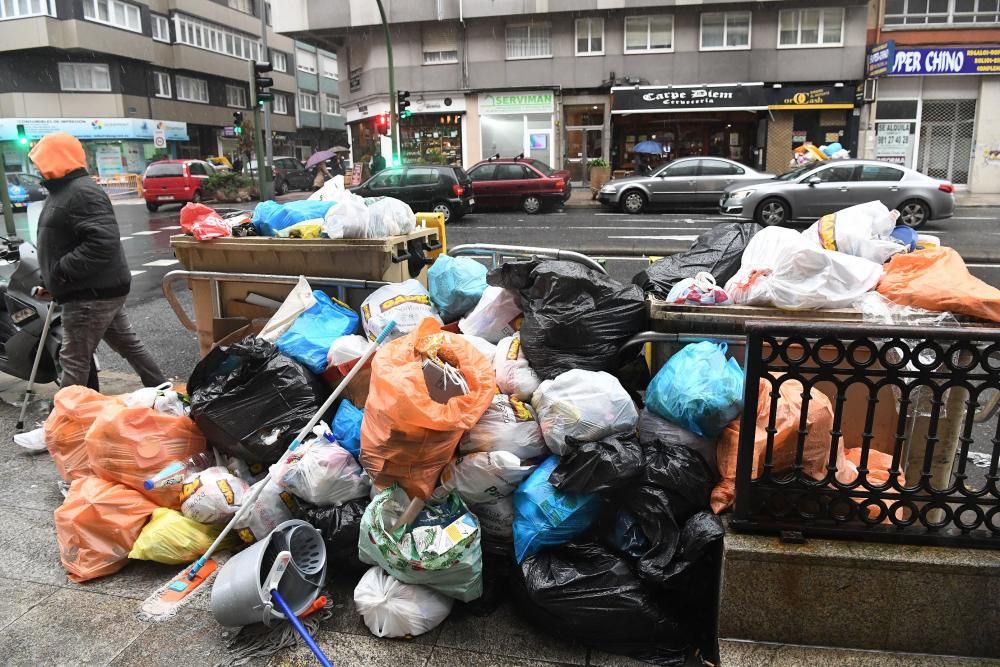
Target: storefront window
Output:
[
  {"x": 728, "y": 135},
  {"x": 431, "y": 139},
  {"x": 503, "y": 134}
]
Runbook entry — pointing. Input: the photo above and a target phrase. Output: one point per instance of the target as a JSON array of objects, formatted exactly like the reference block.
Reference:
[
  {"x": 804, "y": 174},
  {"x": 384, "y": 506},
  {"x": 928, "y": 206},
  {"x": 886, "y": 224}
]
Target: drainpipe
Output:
[{"x": 393, "y": 121}]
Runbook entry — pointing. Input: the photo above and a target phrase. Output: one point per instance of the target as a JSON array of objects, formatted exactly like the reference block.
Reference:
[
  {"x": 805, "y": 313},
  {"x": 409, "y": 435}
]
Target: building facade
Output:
[
  {"x": 934, "y": 89},
  {"x": 137, "y": 80},
  {"x": 569, "y": 81},
  {"x": 317, "y": 109}
]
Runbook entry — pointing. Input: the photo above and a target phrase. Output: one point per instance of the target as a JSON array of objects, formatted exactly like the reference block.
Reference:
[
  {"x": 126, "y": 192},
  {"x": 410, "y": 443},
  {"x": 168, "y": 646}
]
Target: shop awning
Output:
[
  {"x": 813, "y": 97},
  {"x": 671, "y": 99}
]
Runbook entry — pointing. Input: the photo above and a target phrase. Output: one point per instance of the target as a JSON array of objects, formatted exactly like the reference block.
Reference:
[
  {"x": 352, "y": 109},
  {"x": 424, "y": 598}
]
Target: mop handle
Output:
[
  {"x": 297, "y": 624},
  {"x": 249, "y": 500},
  {"x": 34, "y": 365}
]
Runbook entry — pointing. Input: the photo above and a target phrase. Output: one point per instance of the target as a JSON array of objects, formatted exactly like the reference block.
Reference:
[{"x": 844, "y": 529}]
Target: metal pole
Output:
[
  {"x": 8, "y": 212},
  {"x": 262, "y": 170},
  {"x": 393, "y": 121},
  {"x": 266, "y": 55}
]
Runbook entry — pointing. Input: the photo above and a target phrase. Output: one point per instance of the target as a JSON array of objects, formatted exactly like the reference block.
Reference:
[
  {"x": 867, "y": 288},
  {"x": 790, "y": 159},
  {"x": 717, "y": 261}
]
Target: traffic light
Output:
[
  {"x": 22, "y": 136},
  {"x": 382, "y": 123},
  {"x": 259, "y": 84},
  {"x": 403, "y": 104},
  {"x": 238, "y": 123}
]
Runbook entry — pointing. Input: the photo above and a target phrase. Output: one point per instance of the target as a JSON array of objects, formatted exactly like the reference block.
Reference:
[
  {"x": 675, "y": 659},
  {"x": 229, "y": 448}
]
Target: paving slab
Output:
[
  {"x": 346, "y": 650},
  {"x": 449, "y": 657},
  {"x": 20, "y": 597},
  {"x": 191, "y": 638}
]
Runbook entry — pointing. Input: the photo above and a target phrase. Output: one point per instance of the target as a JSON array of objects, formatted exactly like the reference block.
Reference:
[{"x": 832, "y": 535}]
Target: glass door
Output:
[{"x": 583, "y": 144}]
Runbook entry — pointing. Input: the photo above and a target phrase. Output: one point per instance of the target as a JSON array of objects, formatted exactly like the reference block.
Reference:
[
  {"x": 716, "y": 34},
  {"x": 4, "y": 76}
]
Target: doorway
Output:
[
  {"x": 583, "y": 144},
  {"x": 946, "y": 131}
]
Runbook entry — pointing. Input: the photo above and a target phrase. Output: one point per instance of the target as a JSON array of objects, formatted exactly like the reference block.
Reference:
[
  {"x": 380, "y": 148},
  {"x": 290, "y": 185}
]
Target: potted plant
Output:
[
  {"x": 600, "y": 173},
  {"x": 230, "y": 187}
]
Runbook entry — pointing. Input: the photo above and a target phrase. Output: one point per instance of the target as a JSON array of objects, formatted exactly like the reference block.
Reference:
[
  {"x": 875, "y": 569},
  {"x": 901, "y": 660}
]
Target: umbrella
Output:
[
  {"x": 340, "y": 149},
  {"x": 321, "y": 156},
  {"x": 652, "y": 147}
]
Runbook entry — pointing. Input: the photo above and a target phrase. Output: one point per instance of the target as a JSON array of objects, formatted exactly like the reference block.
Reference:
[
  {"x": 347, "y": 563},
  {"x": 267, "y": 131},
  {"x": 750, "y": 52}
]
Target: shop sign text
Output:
[
  {"x": 894, "y": 143},
  {"x": 523, "y": 102},
  {"x": 688, "y": 97},
  {"x": 880, "y": 58},
  {"x": 963, "y": 60}
]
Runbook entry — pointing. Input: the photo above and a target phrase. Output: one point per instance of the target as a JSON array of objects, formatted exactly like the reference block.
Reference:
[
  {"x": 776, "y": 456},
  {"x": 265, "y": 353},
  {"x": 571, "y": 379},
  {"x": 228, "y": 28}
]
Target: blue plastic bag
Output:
[
  {"x": 545, "y": 517},
  {"x": 347, "y": 427},
  {"x": 270, "y": 217},
  {"x": 698, "y": 388},
  {"x": 456, "y": 284},
  {"x": 313, "y": 332}
]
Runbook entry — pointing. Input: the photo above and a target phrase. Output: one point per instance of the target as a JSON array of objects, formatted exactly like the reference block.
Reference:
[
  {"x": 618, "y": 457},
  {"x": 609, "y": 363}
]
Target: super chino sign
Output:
[{"x": 932, "y": 61}]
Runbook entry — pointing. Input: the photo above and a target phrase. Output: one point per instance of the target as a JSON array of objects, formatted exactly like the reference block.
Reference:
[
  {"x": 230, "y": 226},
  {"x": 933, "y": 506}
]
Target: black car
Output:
[
  {"x": 425, "y": 187},
  {"x": 31, "y": 183}
]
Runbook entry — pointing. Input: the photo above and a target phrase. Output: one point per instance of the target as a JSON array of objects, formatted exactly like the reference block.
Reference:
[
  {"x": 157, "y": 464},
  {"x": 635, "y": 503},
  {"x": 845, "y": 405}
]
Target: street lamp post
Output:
[{"x": 393, "y": 121}]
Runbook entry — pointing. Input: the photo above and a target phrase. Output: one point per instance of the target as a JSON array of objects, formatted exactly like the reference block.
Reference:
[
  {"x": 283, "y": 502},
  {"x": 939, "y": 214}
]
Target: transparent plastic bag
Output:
[
  {"x": 348, "y": 218},
  {"x": 389, "y": 217},
  {"x": 483, "y": 477},
  {"x": 508, "y": 425},
  {"x": 322, "y": 472},
  {"x": 514, "y": 374},
  {"x": 497, "y": 315}
]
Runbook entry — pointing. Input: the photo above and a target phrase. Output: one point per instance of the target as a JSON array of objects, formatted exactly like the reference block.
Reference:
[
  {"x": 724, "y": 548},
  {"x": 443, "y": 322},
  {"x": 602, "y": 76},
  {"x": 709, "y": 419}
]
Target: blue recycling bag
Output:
[
  {"x": 313, "y": 332},
  {"x": 347, "y": 427},
  {"x": 270, "y": 217},
  {"x": 544, "y": 516},
  {"x": 698, "y": 388},
  {"x": 456, "y": 284}
]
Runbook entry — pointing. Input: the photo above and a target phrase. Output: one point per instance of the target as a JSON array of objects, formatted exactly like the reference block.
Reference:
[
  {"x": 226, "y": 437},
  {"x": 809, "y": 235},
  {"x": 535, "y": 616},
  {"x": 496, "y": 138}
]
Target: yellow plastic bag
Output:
[{"x": 173, "y": 539}]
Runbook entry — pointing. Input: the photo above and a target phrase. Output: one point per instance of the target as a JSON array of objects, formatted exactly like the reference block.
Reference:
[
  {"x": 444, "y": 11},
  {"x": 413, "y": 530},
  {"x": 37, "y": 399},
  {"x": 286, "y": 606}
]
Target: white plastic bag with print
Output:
[
  {"x": 483, "y": 477},
  {"x": 348, "y": 218},
  {"x": 321, "y": 472},
  {"x": 212, "y": 496},
  {"x": 864, "y": 230},
  {"x": 407, "y": 303},
  {"x": 508, "y": 425},
  {"x": 162, "y": 399},
  {"x": 391, "y": 608},
  {"x": 273, "y": 506},
  {"x": 488, "y": 349},
  {"x": 496, "y": 316},
  {"x": 298, "y": 301},
  {"x": 514, "y": 374}
]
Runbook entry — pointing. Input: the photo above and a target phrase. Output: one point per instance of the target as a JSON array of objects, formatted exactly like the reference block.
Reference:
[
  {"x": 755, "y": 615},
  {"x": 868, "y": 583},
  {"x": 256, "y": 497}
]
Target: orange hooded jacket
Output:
[{"x": 58, "y": 154}]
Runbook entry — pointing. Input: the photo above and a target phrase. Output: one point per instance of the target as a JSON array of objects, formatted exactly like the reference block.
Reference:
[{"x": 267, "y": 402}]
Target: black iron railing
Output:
[{"x": 885, "y": 433}]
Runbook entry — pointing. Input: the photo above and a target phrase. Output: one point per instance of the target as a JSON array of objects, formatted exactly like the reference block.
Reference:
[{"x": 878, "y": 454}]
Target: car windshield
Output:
[
  {"x": 541, "y": 166},
  {"x": 29, "y": 181},
  {"x": 794, "y": 173},
  {"x": 165, "y": 170}
]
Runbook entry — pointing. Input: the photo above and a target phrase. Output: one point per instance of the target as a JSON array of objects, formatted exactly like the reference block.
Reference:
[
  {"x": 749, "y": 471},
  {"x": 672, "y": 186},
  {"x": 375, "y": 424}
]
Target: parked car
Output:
[
  {"x": 32, "y": 185},
  {"x": 170, "y": 181},
  {"x": 812, "y": 191},
  {"x": 426, "y": 187},
  {"x": 220, "y": 162},
  {"x": 523, "y": 183},
  {"x": 18, "y": 197},
  {"x": 692, "y": 182},
  {"x": 289, "y": 174}
]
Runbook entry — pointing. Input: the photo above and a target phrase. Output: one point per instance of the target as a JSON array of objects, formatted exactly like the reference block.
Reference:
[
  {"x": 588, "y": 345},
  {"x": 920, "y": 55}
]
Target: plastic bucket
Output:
[{"x": 238, "y": 597}]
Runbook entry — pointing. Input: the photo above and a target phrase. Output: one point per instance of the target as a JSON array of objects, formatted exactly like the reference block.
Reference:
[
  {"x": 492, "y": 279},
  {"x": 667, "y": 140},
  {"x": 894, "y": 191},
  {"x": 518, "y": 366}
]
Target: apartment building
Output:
[
  {"x": 317, "y": 110},
  {"x": 569, "y": 81},
  {"x": 934, "y": 67},
  {"x": 136, "y": 80}
]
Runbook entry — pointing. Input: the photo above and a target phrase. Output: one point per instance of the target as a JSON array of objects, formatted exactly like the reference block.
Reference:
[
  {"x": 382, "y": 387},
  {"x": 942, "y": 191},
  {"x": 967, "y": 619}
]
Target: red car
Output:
[
  {"x": 170, "y": 181},
  {"x": 523, "y": 183}
]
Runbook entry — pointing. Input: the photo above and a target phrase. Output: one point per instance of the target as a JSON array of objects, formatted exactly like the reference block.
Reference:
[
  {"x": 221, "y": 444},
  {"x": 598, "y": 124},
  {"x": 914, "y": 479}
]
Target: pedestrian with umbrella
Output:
[{"x": 642, "y": 149}]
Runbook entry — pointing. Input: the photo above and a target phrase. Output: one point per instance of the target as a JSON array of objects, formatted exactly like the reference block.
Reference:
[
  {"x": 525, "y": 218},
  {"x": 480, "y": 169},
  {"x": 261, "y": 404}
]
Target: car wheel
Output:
[
  {"x": 914, "y": 213},
  {"x": 281, "y": 188},
  {"x": 151, "y": 207},
  {"x": 633, "y": 201},
  {"x": 443, "y": 208},
  {"x": 772, "y": 212},
  {"x": 531, "y": 204},
  {"x": 197, "y": 197}
]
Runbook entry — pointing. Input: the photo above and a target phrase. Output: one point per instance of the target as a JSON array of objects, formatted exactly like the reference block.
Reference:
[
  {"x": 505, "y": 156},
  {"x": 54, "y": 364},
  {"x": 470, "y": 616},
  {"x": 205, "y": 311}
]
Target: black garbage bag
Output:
[
  {"x": 339, "y": 527},
  {"x": 574, "y": 317},
  {"x": 717, "y": 251},
  {"x": 699, "y": 533},
  {"x": 585, "y": 593},
  {"x": 594, "y": 467},
  {"x": 654, "y": 427},
  {"x": 250, "y": 401},
  {"x": 620, "y": 530}
]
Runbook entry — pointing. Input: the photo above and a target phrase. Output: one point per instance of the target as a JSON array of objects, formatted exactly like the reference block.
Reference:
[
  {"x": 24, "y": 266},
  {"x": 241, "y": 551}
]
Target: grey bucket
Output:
[{"x": 237, "y": 595}]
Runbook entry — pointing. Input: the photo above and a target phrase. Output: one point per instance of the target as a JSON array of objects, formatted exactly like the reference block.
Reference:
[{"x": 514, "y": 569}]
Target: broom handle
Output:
[
  {"x": 297, "y": 624},
  {"x": 248, "y": 501}
]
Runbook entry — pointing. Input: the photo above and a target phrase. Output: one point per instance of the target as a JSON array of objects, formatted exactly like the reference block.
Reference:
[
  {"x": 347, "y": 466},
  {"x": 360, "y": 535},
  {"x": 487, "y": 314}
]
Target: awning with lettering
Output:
[
  {"x": 662, "y": 99},
  {"x": 812, "y": 97}
]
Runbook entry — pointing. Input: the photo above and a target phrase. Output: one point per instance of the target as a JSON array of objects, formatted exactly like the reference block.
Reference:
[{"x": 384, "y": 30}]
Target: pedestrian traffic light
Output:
[
  {"x": 259, "y": 84},
  {"x": 238, "y": 123},
  {"x": 22, "y": 136},
  {"x": 382, "y": 123},
  {"x": 403, "y": 103}
]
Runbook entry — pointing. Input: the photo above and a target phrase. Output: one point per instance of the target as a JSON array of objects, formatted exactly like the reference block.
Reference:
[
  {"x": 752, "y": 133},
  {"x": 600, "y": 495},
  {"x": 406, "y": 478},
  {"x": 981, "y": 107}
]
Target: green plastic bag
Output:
[{"x": 440, "y": 549}]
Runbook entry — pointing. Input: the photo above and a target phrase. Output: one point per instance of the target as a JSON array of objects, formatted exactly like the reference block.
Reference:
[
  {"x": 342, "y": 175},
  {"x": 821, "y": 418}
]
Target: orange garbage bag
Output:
[
  {"x": 74, "y": 411},
  {"x": 937, "y": 279},
  {"x": 406, "y": 436},
  {"x": 130, "y": 445},
  {"x": 97, "y": 525},
  {"x": 815, "y": 452}
]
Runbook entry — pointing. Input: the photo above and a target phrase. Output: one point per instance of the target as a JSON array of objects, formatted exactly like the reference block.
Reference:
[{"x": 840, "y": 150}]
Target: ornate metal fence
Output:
[{"x": 885, "y": 433}]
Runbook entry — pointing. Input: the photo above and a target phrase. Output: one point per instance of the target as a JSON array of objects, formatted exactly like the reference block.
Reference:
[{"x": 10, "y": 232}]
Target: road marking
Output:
[
  {"x": 149, "y": 233},
  {"x": 137, "y": 273},
  {"x": 611, "y": 214},
  {"x": 683, "y": 237},
  {"x": 162, "y": 262},
  {"x": 968, "y": 218},
  {"x": 171, "y": 227},
  {"x": 646, "y": 229},
  {"x": 124, "y": 238}
]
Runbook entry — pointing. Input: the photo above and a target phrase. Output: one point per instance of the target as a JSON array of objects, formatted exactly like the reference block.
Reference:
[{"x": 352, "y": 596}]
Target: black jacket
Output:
[{"x": 79, "y": 247}]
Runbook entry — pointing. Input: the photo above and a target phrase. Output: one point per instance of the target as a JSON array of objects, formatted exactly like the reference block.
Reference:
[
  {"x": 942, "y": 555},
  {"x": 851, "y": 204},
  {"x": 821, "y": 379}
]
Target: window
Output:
[
  {"x": 161, "y": 84},
  {"x": 19, "y": 9},
  {"x": 305, "y": 61},
  {"x": 245, "y": 6},
  {"x": 84, "y": 77},
  {"x": 440, "y": 57},
  {"x": 279, "y": 104},
  {"x": 440, "y": 44},
  {"x": 197, "y": 169},
  {"x": 838, "y": 174},
  {"x": 941, "y": 13},
  {"x": 164, "y": 170},
  {"x": 161, "y": 28},
  {"x": 279, "y": 61},
  {"x": 236, "y": 96},
  {"x": 192, "y": 90},
  {"x": 681, "y": 169},
  {"x": 590, "y": 37},
  {"x": 719, "y": 168},
  {"x": 329, "y": 67},
  {"x": 211, "y": 37},
  {"x": 483, "y": 173},
  {"x": 112, "y": 12},
  {"x": 725, "y": 30},
  {"x": 389, "y": 178},
  {"x": 874, "y": 172},
  {"x": 331, "y": 105},
  {"x": 421, "y": 176},
  {"x": 529, "y": 41},
  {"x": 308, "y": 102},
  {"x": 649, "y": 34},
  {"x": 512, "y": 172},
  {"x": 810, "y": 27}
]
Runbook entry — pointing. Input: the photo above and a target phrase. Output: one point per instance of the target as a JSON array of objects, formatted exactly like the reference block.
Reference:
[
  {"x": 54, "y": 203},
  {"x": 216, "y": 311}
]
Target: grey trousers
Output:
[{"x": 85, "y": 324}]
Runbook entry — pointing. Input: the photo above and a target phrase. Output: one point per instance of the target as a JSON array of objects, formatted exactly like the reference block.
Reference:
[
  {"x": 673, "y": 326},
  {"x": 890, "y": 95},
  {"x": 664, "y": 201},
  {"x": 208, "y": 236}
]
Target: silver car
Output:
[
  {"x": 812, "y": 191},
  {"x": 687, "y": 182}
]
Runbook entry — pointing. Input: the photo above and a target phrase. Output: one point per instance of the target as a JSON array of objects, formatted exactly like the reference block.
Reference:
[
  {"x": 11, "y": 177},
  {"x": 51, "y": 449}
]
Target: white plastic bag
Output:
[
  {"x": 483, "y": 477},
  {"x": 698, "y": 291},
  {"x": 332, "y": 190},
  {"x": 162, "y": 399},
  {"x": 496, "y": 316},
  {"x": 274, "y": 506},
  {"x": 508, "y": 425},
  {"x": 864, "y": 230},
  {"x": 347, "y": 219},
  {"x": 408, "y": 303},
  {"x": 781, "y": 268},
  {"x": 588, "y": 405},
  {"x": 212, "y": 495},
  {"x": 394, "y": 609},
  {"x": 390, "y": 217},
  {"x": 298, "y": 301},
  {"x": 321, "y": 472},
  {"x": 488, "y": 349},
  {"x": 345, "y": 351},
  {"x": 514, "y": 374}
]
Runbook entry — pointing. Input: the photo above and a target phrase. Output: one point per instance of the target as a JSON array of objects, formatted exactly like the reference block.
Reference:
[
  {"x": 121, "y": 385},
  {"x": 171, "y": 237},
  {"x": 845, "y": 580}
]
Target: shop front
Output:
[
  {"x": 817, "y": 114},
  {"x": 586, "y": 138},
  {"x": 435, "y": 133},
  {"x": 362, "y": 128},
  {"x": 513, "y": 123}
]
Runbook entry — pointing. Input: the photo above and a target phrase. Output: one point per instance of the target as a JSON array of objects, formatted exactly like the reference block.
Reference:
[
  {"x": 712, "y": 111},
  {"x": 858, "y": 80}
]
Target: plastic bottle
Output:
[{"x": 175, "y": 472}]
